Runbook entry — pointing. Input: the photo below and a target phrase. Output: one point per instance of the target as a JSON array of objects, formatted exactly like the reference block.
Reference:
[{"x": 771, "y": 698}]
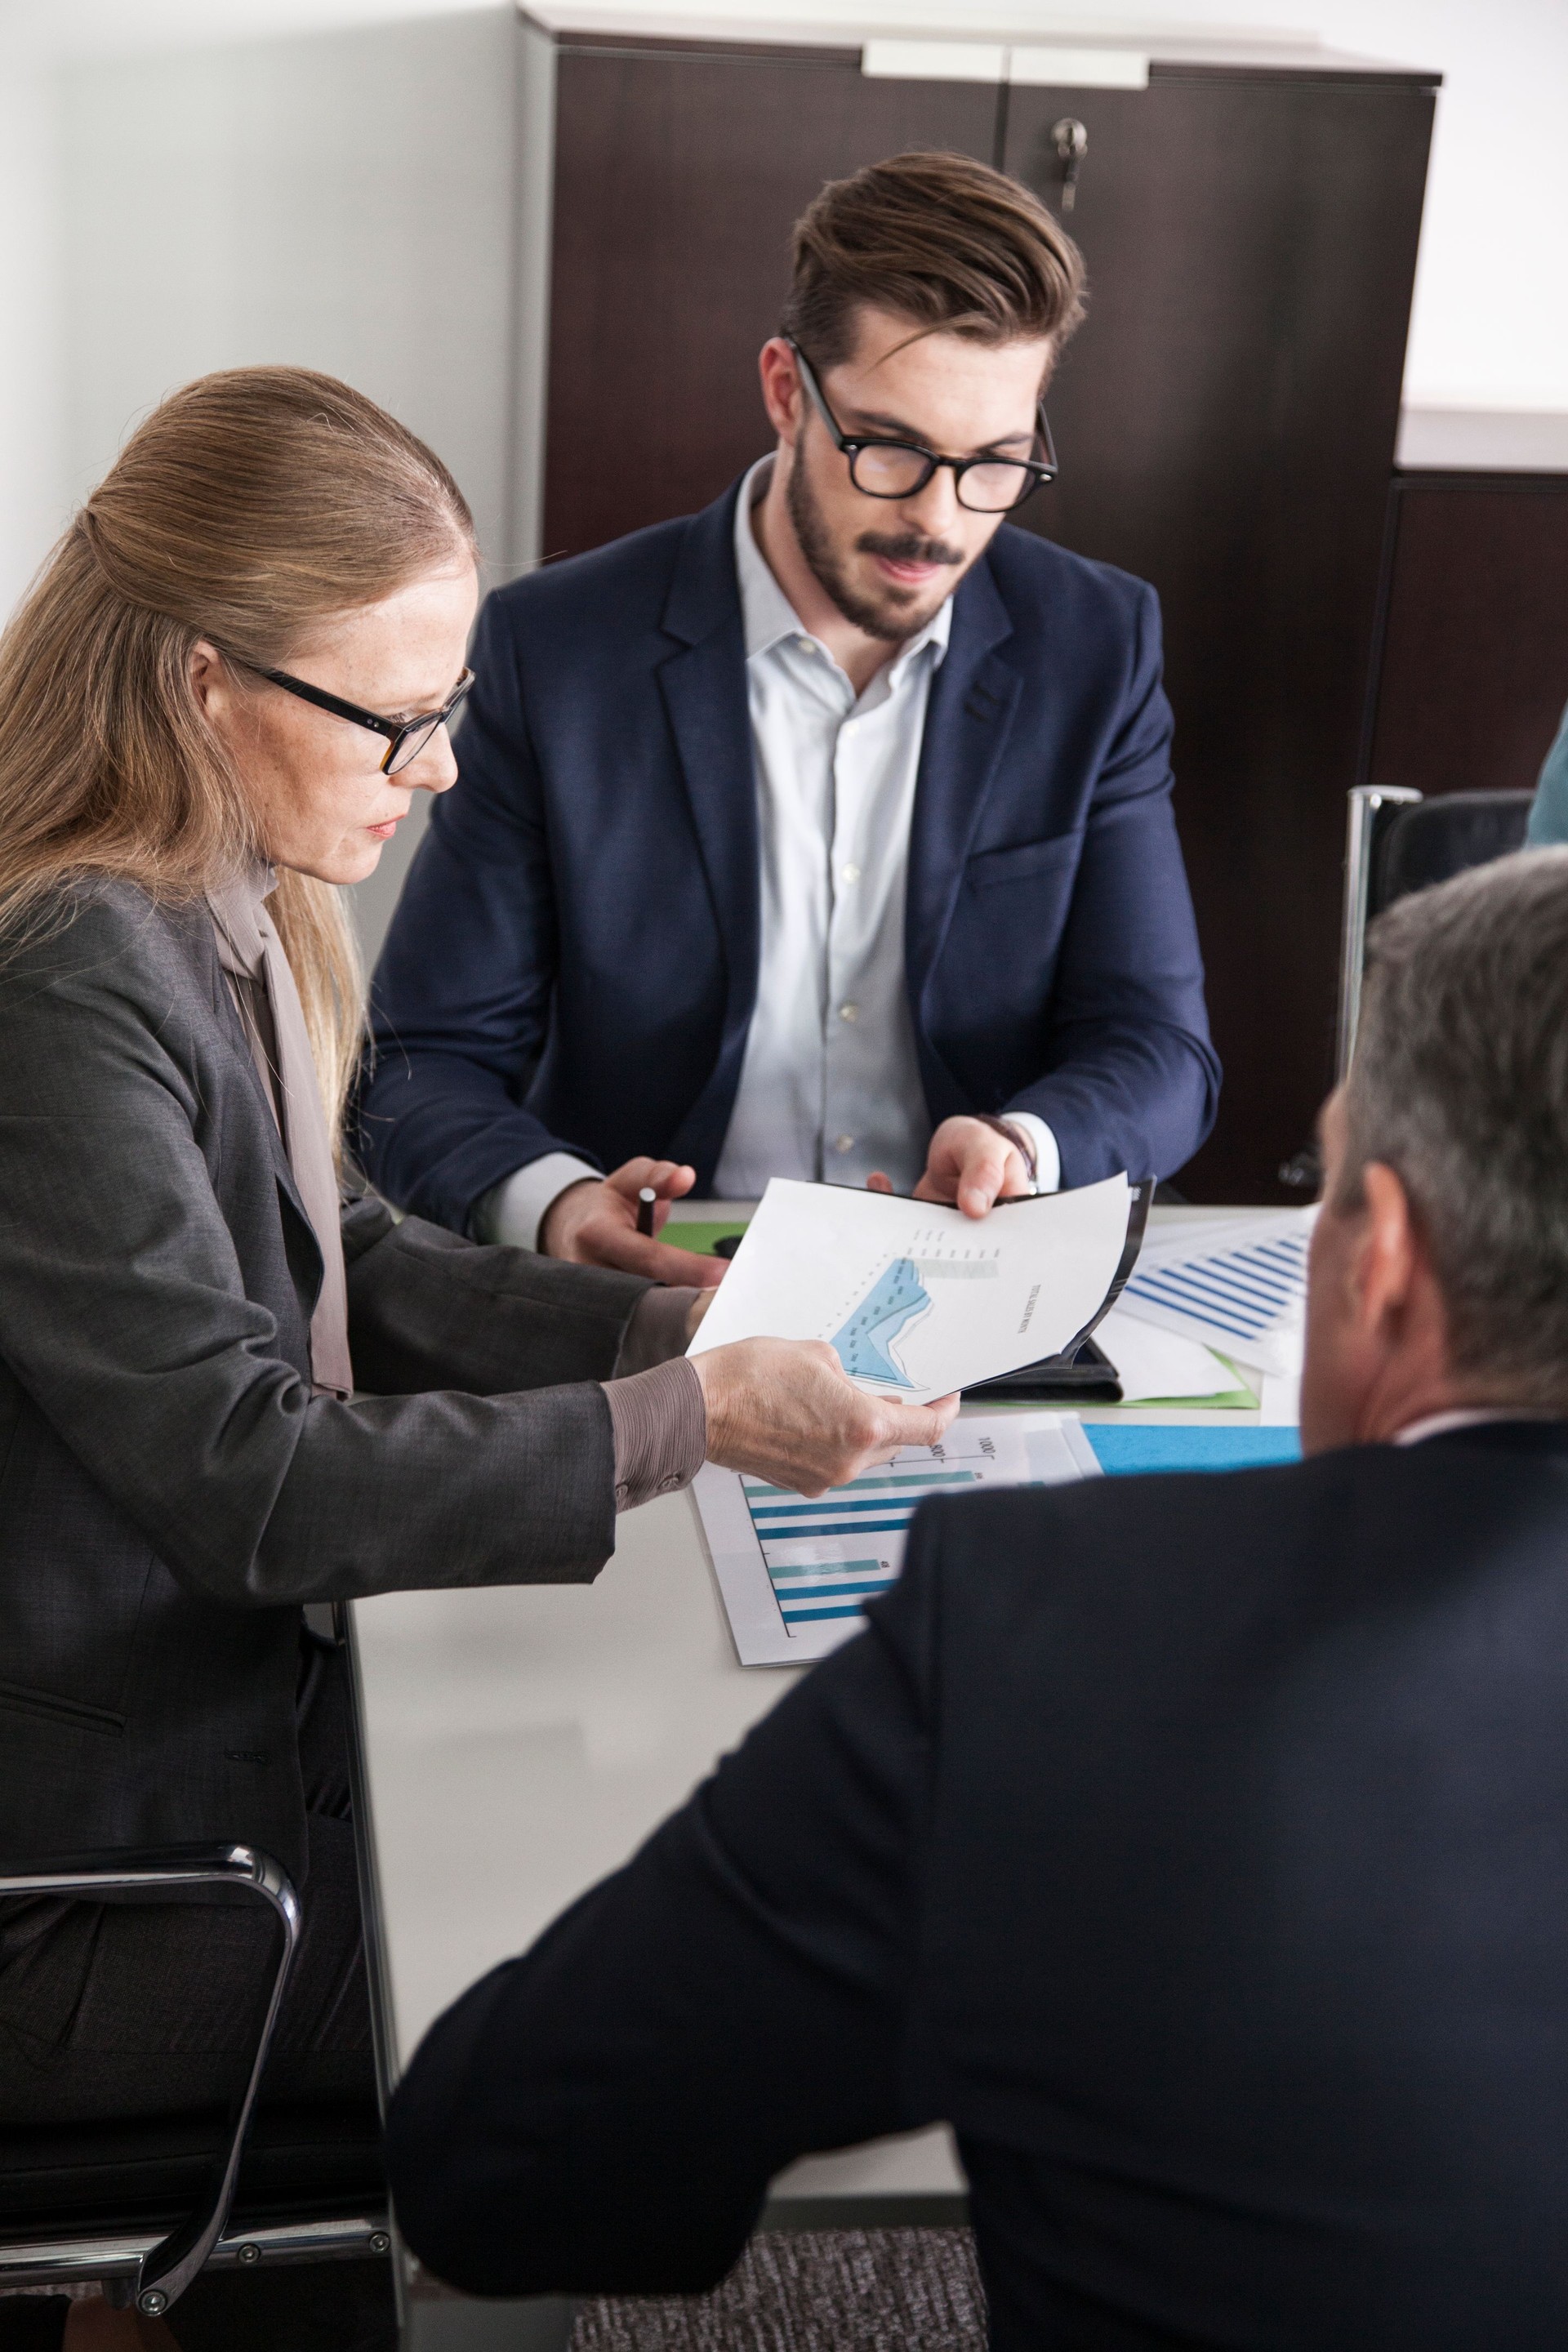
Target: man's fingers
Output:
[
  {"x": 983, "y": 1174},
  {"x": 630, "y": 1177},
  {"x": 878, "y": 1182},
  {"x": 684, "y": 1268},
  {"x": 632, "y": 1253},
  {"x": 668, "y": 1177}
]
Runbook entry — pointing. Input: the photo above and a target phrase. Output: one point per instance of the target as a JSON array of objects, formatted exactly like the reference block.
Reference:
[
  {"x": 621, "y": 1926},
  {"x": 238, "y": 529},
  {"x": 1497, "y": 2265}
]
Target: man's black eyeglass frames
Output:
[
  {"x": 406, "y": 737},
  {"x": 898, "y": 469}
]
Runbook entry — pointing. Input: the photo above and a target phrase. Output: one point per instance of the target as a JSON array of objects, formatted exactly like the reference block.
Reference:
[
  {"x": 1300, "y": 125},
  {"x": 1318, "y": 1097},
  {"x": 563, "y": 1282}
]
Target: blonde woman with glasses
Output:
[{"x": 231, "y": 1383}]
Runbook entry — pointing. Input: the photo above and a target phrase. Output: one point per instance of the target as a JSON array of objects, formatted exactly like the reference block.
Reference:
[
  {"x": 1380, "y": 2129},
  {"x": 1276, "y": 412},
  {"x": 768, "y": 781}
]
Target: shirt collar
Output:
[
  {"x": 768, "y": 618},
  {"x": 237, "y": 917},
  {"x": 1439, "y": 1424}
]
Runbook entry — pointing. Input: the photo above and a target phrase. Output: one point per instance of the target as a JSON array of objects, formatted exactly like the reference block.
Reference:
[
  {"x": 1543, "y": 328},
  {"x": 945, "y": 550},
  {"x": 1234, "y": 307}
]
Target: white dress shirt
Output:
[
  {"x": 1440, "y": 1424},
  {"x": 830, "y": 1083}
]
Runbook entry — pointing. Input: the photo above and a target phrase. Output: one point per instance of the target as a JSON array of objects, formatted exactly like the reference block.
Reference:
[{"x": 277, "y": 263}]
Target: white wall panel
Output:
[{"x": 337, "y": 200}]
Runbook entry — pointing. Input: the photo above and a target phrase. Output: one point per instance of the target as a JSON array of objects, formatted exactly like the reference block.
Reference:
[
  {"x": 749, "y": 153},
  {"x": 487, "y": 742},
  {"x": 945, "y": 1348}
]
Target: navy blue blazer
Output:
[
  {"x": 574, "y": 962},
  {"x": 1197, "y": 1847}
]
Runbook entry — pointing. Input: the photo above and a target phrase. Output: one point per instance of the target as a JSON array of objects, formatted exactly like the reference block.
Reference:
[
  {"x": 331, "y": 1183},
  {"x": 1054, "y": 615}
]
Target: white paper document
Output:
[
  {"x": 1240, "y": 1285},
  {"x": 917, "y": 1299},
  {"x": 1165, "y": 1365},
  {"x": 795, "y": 1575}
]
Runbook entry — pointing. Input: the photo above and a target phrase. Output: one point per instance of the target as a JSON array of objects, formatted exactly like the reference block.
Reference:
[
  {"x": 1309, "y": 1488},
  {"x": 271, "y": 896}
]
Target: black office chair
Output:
[
  {"x": 1397, "y": 841},
  {"x": 143, "y": 2209}
]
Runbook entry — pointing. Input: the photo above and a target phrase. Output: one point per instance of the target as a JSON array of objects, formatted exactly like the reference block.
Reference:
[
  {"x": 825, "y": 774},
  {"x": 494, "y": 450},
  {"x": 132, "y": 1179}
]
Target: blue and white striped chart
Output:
[
  {"x": 1240, "y": 1288},
  {"x": 796, "y": 1575},
  {"x": 803, "y": 1543}
]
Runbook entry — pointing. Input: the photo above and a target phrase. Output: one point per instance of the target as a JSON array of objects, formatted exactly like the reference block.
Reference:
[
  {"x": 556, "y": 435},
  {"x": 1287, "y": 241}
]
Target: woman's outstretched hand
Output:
[{"x": 784, "y": 1410}]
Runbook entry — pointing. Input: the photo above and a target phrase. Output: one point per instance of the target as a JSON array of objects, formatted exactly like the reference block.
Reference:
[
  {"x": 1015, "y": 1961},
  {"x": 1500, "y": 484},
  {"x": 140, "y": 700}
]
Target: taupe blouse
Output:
[{"x": 262, "y": 984}]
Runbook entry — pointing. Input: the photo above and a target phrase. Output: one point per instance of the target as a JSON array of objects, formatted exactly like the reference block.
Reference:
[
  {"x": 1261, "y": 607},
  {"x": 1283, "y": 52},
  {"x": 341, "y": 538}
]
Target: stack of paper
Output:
[
  {"x": 796, "y": 1575},
  {"x": 1239, "y": 1285},
  {"x": 1151, "y": 1363}
]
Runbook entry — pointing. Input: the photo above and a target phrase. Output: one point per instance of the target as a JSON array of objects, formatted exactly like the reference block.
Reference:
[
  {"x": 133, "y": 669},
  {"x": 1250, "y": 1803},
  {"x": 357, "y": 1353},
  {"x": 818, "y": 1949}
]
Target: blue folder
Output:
[{"x": 1122, "y": 1448}]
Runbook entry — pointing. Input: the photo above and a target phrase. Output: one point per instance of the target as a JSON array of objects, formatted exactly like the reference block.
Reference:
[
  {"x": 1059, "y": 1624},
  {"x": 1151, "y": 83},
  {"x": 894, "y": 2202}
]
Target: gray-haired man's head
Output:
[{"x": 1458, "y": 1090}]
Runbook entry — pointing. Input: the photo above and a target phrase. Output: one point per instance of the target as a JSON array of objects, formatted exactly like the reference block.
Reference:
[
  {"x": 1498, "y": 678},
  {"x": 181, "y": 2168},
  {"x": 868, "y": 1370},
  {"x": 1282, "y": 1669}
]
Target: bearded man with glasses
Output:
[{"x": 827, "y": 833}]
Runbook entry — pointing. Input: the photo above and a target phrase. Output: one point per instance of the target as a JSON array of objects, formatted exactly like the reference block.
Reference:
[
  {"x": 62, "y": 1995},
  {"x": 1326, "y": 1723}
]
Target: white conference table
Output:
[{"x": 518, "y": 1742}]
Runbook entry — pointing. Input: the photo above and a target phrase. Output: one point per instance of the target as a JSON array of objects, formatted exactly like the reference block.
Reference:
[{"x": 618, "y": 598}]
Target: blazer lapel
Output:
[
  {"x": 973, "y": 698},
  {"x": 703, "y": 683}
]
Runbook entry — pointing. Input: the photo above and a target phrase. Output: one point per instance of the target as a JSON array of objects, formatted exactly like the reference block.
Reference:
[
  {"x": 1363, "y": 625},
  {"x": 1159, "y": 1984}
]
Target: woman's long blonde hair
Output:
[{"x": 248, "y": 508}]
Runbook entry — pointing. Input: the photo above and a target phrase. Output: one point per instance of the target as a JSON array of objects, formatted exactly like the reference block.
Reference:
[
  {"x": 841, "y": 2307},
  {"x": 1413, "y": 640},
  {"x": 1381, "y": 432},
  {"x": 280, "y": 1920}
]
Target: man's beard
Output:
[{"x": 897, "y": 614}]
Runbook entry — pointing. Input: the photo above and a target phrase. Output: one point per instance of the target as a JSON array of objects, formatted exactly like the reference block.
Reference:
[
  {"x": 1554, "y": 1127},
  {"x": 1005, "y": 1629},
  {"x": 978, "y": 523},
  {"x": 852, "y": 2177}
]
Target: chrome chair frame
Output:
[
  {"x": 149, "y": 2271},
  {"x": 1365, "y": 804}
]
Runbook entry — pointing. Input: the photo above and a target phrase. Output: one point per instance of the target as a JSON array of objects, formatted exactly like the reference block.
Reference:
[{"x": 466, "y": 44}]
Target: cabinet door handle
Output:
[{"x": 1070, "y": 141}]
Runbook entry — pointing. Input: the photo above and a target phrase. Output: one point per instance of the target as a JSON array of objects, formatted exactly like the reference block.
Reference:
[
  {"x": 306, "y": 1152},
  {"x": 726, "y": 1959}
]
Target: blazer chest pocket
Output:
[{"x": 1030, "y": 861}]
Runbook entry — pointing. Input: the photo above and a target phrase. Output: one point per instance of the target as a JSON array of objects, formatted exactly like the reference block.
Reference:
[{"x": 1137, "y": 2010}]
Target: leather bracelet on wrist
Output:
[{"x": 1021, "y": 1141}]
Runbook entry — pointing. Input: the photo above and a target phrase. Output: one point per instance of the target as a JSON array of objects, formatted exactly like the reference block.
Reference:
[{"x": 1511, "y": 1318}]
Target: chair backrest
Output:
[
  {"x": 1396, "y": 841},
  {"x": 1432, "y": 840}
]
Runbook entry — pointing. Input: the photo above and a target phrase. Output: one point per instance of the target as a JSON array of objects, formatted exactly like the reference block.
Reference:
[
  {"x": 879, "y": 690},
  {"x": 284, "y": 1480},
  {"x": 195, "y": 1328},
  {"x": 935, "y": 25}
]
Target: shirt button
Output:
[
  {"x": 849, "y": 1013},
  {"x": 844, "y": 1143},
  {"x": 849, "y": 874}
]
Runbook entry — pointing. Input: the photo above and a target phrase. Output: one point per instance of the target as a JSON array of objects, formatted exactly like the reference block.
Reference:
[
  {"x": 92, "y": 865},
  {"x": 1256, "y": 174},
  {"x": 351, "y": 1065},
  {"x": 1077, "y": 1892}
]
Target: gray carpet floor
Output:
[{"x": 812, "y": 2291}]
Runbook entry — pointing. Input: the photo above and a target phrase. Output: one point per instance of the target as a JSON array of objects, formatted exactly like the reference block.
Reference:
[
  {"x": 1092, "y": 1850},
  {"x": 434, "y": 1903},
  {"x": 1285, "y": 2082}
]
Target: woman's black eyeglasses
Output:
[
  {"x": 898, "y": 470},
  {"x": 407, "y": 737}
]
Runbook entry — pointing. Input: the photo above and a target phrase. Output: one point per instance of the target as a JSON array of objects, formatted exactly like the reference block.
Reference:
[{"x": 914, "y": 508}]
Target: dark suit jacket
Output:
[
  {"x": 1198, "y": 1847},
  {"x": 169, "y": 1491},
  {"x": 574, "y": 956}
]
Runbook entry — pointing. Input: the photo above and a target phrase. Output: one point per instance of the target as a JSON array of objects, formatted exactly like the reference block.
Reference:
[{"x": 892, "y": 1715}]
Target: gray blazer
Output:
[{"x": 171, "y": 1492}]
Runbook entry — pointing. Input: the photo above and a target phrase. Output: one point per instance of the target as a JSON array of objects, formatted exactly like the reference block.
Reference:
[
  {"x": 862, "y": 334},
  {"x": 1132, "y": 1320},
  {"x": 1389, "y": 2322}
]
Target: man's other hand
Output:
[
  {"x": 969, "y": 1163},
  {"x": 594, "y": 1223},
  {"x": 784, "y": 1410}
]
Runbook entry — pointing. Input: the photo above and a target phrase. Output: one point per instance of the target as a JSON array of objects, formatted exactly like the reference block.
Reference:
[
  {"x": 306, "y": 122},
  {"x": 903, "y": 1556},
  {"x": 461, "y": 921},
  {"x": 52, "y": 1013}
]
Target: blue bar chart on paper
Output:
[
  {"x": 1242, "y": 1289},
  {"x": 796, "y": 1573},
  {"x": 804, "y": 1543}
]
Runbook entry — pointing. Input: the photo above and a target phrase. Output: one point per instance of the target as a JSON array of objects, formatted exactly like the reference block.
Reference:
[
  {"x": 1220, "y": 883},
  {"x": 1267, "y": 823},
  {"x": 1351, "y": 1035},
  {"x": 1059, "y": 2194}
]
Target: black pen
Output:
[{"x": 645, "y": 1201}]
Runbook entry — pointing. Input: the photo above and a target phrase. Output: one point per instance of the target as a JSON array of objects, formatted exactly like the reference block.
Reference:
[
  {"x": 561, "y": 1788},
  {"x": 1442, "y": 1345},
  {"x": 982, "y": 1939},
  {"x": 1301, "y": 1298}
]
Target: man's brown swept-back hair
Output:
[
  {"x": 941, "y": 239},
  {"x": 248, "y": 510}
]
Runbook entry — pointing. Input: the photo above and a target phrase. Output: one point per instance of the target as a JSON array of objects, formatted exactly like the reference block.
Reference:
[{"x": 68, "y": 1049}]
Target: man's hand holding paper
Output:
[{"x": 972, "y": 1163}]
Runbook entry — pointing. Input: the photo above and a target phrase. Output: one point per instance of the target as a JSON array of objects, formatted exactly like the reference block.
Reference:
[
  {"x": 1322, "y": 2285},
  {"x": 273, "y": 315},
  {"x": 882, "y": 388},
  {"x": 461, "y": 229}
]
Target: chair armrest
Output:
[
  {"x": 168, "y": 2269},
  {"x": 149, "y": 1870}
]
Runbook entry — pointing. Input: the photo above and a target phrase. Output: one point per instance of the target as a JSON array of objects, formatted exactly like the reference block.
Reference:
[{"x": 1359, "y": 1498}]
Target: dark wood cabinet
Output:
[
  {"x": 1225, "y": 418},
  {"x": 1226, "y": 422},
  {"x": 678, "y": 178},
  {"x": 1473, "y": 652}
]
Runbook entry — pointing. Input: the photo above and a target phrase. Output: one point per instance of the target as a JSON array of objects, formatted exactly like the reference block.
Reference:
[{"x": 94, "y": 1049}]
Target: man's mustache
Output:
[{"x": 908, "y": 547}]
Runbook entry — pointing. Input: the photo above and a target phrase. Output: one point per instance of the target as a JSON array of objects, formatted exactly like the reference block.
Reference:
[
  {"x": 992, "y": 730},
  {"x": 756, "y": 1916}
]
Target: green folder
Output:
[{"x": 699, "y": 1234}]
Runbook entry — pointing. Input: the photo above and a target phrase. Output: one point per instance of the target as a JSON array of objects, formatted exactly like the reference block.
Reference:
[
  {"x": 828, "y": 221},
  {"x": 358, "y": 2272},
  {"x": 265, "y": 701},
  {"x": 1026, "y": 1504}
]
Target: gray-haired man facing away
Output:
[{"x": 1197, "y": 1847}]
